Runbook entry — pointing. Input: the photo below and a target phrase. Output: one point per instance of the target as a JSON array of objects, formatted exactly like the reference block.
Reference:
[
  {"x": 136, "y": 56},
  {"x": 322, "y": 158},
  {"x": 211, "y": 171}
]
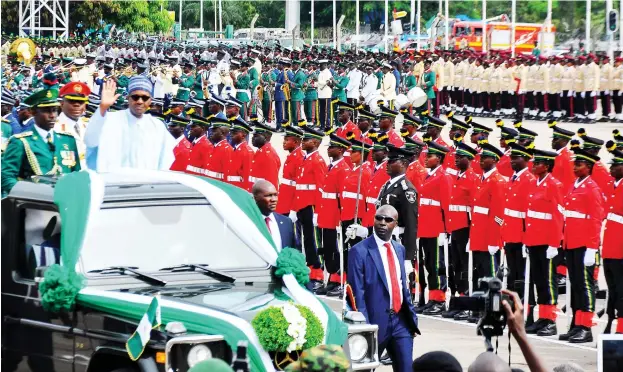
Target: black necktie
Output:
[
  {"x": 513, "y": 178},
  {"x": 483, "y": 178}
]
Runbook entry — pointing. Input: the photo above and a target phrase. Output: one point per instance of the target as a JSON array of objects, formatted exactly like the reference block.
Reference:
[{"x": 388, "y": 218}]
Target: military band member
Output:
[
  {"x": 310, "y": 102},
  {"x": 563, "y": 164},
  {"x": 297, "y": 80},
  {"x": 42, "y": 150},
  {"x": 458, "y": 130},
  {"x": 219, "y": 159},
  {"x": 181, "y": 151},
  {"x": 242, "y": 83},
  {"x": 416, "y": 172},
  {"x": 388, "y": 85},
  {"x": 266, "y": 162},
  {"x": 593, "y": 145},
  {"x": 186, "y": 82},
  {"x": 325, "y": 92},
  {"x": 201, "y": 148},
  {"x": 281, "y": 108},
  {"x": 617, "y": 89},
  {"x": 355, "y": 191},
  {"x": 591, "y": 87},
  {"x": 242, "y": 156},
  {"x": 345, "y": 112},
  {"x": 378, "y": 166}
]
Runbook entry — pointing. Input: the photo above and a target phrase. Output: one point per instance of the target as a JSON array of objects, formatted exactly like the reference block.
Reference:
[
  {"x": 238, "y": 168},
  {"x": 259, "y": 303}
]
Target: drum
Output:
[{"x": 417, "y": 97}]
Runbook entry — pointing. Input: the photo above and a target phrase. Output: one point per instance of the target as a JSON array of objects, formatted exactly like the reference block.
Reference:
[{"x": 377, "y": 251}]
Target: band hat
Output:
[
  {"x": 291, "y": 131},
  {"x": 311, "y": 133},
  {"x": 526, "y": 133},
  {"x": 178, "y": 120},
  {"x": 198, "y": 120},
  {"x": 413, "y": 143},
  {"x": 558, "y": 131},
  {"x": 618, "y": 137},
  {"x": 231, "y": 101},
  {"x": 509, "y": 134},
  {"x": 365, "y": 114},
  {"x": 463, "y": 149},
  {"x": 488, "y": 150},
  {"x": 617, "y": 155},
  {"x": 341, "y": 105},
  {"x": 518, "y": 150},
  {"x": 385, "y": 64},
  {"x": 387, "y": 112},
  {"x": 589, "y": 142},
  {"x": 358, "y": 146},
  {"x": 216, "y": 122},
  {"x": 582, "y": 155},
  {"x": 435, "y": 121},
  {"x": 479, "y": 128},
  {"x": 262, "y": 128},
  {"x": 544, "y": 156},
  {"x": 398, "y": 153},
  {"x": 435, "y": 148},
  {"x": 458, "y": 124},
  {"x": 411, "y": 120},
  {"x": 335, "y": 141},
  {"x": 240, "y": 125},
  {"x": 218, "y": 100},
  {"x": 43, "y": 98}
]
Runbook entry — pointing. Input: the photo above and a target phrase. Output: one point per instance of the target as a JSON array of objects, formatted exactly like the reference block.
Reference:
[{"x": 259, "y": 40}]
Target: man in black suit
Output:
[{"x": 280, "y": 227}]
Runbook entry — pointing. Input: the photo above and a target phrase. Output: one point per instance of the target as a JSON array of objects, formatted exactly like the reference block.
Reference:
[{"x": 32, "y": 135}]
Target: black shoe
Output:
[
  {"x": 315, "y": 285},
  {"x": 450, "y": 313},
  {"x": 549, "y": 329},
  {"x": 603, "y": 119},
  {"x": 325, "y": 289},
  {"x": 338, "y": 291},
  {"x": 536, "y": 326},
  {"x": 608, "y": 328},
  {"x": 420, "y": 309},
  {"x": 462, "y": 315},
  {"x": 435, "y": 309},
  {"x": 474, "y": 317},
  {"x": 584, "y": 334},
  {"x": 566, "y": 336},
  {"x": 385, "y": 359}
]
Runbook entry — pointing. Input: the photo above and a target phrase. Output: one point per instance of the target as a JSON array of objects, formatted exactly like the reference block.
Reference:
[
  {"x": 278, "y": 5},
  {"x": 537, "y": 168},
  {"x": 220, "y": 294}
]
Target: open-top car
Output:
[{"x": 125, "y": 238}]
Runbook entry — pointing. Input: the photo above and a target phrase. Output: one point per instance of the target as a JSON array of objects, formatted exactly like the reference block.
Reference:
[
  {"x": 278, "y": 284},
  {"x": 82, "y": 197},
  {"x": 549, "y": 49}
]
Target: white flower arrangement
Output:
[{"x": 297, "y": 326}]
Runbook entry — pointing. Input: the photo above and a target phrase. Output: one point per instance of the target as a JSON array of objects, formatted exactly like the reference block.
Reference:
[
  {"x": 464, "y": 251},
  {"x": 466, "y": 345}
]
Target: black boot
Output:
[
  {"x": 535, "y": 326},
  {"x": 608, "y": 328},
  {"x": 583, "y": 335},
  {"x": 549, "y": 329},
  {"x": 462, "y": 315},
  {"x": 324, "y": 290},
  {"x": 337, "y": 291},
  {"x": 572, "y": 330}
]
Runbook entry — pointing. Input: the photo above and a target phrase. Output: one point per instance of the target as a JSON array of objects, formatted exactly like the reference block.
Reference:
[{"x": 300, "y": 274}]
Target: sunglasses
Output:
[
  {"x": 384, "y": 218},
  {"x": 136, "y": 97}
]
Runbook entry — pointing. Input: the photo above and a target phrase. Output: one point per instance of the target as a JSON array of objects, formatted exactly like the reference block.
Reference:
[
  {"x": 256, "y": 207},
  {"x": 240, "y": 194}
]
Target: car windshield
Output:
[{"x": 153, "y": 237}]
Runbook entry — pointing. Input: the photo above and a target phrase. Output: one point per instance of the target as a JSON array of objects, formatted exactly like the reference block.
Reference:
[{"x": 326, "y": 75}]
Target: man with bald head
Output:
[
  {"x": 280, "y": 227},
  {"x": 489, "y": 362},
  {"x": 376, "y": 273}
]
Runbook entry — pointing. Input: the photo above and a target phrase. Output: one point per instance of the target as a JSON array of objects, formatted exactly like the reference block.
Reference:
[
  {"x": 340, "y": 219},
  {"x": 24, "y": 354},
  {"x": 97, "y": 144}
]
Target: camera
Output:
[{"x": 488, "y": 302}]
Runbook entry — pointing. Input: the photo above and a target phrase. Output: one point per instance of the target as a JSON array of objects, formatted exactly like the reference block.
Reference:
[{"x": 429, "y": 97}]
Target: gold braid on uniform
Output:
[{"x": 34, "y": 163}]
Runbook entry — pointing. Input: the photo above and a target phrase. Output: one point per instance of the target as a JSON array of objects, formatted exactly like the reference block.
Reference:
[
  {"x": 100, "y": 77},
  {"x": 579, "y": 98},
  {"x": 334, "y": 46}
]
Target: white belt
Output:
[
  {"x": 248, "y": 92},
  {"x": 182, "y": 88},
  {"x": 459, "y": 208},
  {"x": 371, "y": 200},
  {"x": 234, "y": 178},
  {"x": 615, "y": 217},
  {"x": 574, "y": 214},
  {"x": 513, "y": 213},
  {"x": 213, "y": 174},
  {"x": 190, "y": 168},
  {"x": 451, "y": 171},
  {"x": 306, "y": 187},
  {"x": 255, "y": 179},
  {"x": 539, "y": 215},
  {"x": 288, "y": 182},
  {"x": 329, "y": 195},
  {"x": 425, "y": 201},
  {"x": 481, "y": 210},
  {"x": 352, "y": 195}
]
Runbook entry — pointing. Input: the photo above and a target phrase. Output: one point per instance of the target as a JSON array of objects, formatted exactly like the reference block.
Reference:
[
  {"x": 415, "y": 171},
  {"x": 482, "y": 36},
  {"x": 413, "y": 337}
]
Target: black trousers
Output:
[
  {"x": 566, "y": 102},
  {"x": 330, "y": 252},
  {"x": 467, "y": 97},
  {"x": 324, "y": 108},
  {"x": 516, "y": 267},
  {"x": 613, "y": 271},
  {"x": 605, "y": 104},
  {"x": 520, "y": 104},
  {"x": 505, "y": 100},
  {"x": 579, "y": 107},
  {"x": 459, "y": 261},
  {"x": 540, "y": 101},
  {"x": 582, "y": 282},
  {"x": 457, "y": 97},
  {"x": 553, "y": 101},
  {"x": 531, "y": 101},
  {"x": 431, "y": 255},
  {"x": 589, "y": 103},
  {"x": 543, "y": 274},
  {"x": 311, "y": 236},
  {"x": 484, "y": 101},
  {"x": 617, "y": 101},
  {"x": 484, "y": 266}
]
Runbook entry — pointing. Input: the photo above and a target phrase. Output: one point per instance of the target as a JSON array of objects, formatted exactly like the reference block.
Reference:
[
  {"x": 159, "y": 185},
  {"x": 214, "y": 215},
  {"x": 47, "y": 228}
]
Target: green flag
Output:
[{"x": 150, "y": 320}]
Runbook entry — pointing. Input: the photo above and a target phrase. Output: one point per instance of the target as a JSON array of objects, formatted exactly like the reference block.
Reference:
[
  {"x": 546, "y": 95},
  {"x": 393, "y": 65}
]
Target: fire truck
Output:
[{"x": 469, "y": 35}]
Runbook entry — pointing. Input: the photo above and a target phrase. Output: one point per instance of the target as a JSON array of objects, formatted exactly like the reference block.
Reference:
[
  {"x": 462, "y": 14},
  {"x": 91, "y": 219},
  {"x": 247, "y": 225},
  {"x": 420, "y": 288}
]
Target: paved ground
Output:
[{"x": 460, "y": 339}]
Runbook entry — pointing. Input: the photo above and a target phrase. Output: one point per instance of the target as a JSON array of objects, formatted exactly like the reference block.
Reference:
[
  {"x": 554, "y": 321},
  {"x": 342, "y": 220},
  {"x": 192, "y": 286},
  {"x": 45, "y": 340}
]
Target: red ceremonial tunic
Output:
[
  {"x": 199, "y": 155},
  {"x": 240, "y": 166},
  {"x": 310, "y": 177},
  {"x": 515, "y": 206},
  {"x": 181, "y": 151},
  {"x": 377, "y": 180},
  {"x": 449, "y": 163},
  {"x": 348, "y": 127},
  {"x": 265, "y": 166},
  {"x": 395, "y": 139},
  {"x": 584, "y": 212},
  {"x": 434, "y": 198},
  {"x": 288, "y": 180},
  {"x": 329, "y": 209},
  {"x": 425, "y": 151},
  {"x": 461, "y": 198},
  {"x": 601, "y": 176},
  {"x": 488, "y": 213},
  {"x": 613, "y": 233},
  {"x": 544, "y": 216},
  {"x": 563, "y": 170},
  {"x": 218, "y": 163},
  {"x": 504, "y": 165},
  {"x": 349, "y": 192},
  {"x": 416, "y": 173}
]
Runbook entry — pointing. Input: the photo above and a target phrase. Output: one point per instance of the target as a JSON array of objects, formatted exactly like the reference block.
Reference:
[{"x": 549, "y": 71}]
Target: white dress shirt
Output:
[
  {"x": 383, "y": 250},
  {"x": 44, "y": 133},
  {"x": 274, "y": 230},
  {"x": 486, "y": 175},
  {"x": 354, "y": 83}
]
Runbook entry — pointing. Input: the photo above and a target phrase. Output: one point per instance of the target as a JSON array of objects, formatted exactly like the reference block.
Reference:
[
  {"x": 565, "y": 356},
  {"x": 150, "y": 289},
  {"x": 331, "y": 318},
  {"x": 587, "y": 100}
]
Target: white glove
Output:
[
  {"x": 551, "y": 252},
  {"x": 512, "y": 92},
  {"x": 590, "y": 257},
  {"x": 583, "y": 94},
  {"x": 562, "y": 94},
  {"x": 534, "y": 93},
  {"x": 543, "y": 92},
  {"x": 451, "y": 88},
  {"x": 408, "y": 268},
  {"x": 315, "y": 219},
  {"x": 570, "y": 93},
  {"x": 621, "y": 92},
  {"x": 607, "y": 92},
  {"x": 524, "y": 251},
  {"x": 293, "y": 216},
  {"x": 493, "y": 250},
  {"x": 520, "y": 91},
  {"x": 593, "y": 94},
  {"x": 354, "y": 231}
]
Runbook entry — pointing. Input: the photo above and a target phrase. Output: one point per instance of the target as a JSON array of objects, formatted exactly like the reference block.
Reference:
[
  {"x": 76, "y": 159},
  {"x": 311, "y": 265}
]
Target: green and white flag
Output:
[{"x": 150, "y": 320}]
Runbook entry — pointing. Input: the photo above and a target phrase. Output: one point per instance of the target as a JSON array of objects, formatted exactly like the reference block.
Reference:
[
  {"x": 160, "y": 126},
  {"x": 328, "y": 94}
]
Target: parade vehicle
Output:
[
  {"x": 86, "y": 256},
  {"x": 469, "y": 35}
]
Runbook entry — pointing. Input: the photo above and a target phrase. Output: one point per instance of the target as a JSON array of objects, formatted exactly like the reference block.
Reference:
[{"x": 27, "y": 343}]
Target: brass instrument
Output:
[{"x": 285, "y": 88}]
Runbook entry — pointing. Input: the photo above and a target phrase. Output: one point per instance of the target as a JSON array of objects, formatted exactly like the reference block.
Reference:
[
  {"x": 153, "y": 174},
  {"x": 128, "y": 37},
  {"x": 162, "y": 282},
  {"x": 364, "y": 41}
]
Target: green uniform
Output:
[
  {"x": 379, "y": 77},
  {"x": 28, "y": 154},
  {"x": 339, "y": 94},
  {"x": 65, "y": 78},
  {"x": 7, "y": 132},
  {"x": 429, "y": 78},
  {"x": 122, "y": 86},
  {"x": 197, "y": 88},
  {"x": 410, "y": 82},
  {"x": 297, "y": 94},
  {"x": 187, "y": 81},
  {"x": 267, "y": 78},
  {"x": 243, "y": 83},
  {"x": 311, "y": 98},
  {"x": 18, "y": 79}
]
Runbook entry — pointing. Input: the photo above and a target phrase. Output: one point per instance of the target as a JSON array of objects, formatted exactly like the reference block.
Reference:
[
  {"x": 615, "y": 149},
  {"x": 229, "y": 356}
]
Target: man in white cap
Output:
[{"x": 129, "y": 138}]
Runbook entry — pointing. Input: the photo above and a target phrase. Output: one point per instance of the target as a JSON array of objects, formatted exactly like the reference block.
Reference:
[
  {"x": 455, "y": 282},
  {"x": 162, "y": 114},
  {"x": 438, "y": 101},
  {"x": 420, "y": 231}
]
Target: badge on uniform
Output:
[
  {"x": 69, "y": 158},
  {"x": 411, "y": 196}
]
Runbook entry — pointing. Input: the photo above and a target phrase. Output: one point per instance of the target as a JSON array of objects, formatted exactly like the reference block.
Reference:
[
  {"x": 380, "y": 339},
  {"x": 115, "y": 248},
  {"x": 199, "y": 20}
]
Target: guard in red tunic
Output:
[
  {"x": 292, "y": 144},
  {"x": 345, "y": 117},
  {"x": 386, "y": 125},
  {"x": 411, "y": 124},
  {"x": 416, "y": 172},
  {"x": 329, "y": 213},
  {"x": 563, "y": 167},
  {"x": 241, "y": 157},
  {"x": 377, "y": 180},
  {"x": 515, "y": 207},
  {"x": 542, "y": 237},
  {"x": 485, "y": 233},
  {"x": 457, "y": 130},
  {"x": 584, "y": 213},
  {"x": 433, "y": 205},
  {"x": 479, "y": 132},
  {"x": 508, "y": 136},
  {"x": 266, "y": 163},
  {"x": 181, "y": 151},
  {"x": 457, "y": 223},
  {"x": 355, "y": 191},
  {"x": 612, "y": 250},
  {"x": 433, "y": 130},
  {"x": 593, "y": 145},
  {"x": 307, "y": 197},
  {"x": 219, "y": 158},
  {"x": 200, "y": 148}
]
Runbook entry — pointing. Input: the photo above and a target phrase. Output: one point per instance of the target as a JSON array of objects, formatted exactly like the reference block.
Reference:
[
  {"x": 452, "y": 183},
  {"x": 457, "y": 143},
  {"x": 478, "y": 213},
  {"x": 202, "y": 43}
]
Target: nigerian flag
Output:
[{"x": 150, "y": 320}]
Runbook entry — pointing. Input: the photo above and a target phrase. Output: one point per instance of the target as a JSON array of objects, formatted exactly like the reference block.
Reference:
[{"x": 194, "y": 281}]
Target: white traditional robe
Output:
[{"x": 120, "y": 140}]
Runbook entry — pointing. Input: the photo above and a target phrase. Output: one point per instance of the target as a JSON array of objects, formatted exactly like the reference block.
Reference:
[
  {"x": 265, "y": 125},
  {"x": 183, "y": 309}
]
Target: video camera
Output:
[{"x": 487, "y": 301}]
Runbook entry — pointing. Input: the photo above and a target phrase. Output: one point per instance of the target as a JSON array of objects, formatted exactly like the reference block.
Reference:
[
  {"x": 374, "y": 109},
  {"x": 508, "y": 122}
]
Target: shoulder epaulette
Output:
[
  {"x": 404, "y": 185},
  {"x": 5, "y": 120},
  {"x": 65, "y": 133},
  {"x": 23, "y": 134}
]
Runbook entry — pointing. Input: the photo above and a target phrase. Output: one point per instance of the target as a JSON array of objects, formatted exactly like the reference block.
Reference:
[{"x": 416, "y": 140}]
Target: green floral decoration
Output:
[
  {"x": 59, "y": 288},
  {"x": 271, "y": 328},
  {"x": 291, "y": 261}
]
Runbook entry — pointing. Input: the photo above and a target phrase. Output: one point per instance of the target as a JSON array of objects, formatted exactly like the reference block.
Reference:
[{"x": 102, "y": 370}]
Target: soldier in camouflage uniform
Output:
[{"x": 322, "y": 358}]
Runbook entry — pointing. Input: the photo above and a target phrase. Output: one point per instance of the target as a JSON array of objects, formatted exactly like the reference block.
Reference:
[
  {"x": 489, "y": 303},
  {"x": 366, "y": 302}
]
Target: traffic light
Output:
[{"x": 613, "y": 17}]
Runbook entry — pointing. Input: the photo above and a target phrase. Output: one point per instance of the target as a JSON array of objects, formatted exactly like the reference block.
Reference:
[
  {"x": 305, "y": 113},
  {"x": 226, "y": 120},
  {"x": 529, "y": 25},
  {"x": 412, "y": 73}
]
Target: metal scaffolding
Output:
[{"x": 32, "y": 13}]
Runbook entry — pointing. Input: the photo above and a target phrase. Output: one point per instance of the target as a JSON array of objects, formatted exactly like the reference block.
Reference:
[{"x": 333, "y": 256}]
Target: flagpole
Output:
[
  {"x": 334, "y": 26},
  {"x": 513, "y": 16},
  {"x": 587, "y": 42},
  {"x": 447, "y": 39},
  {"x": 484, "y": 26},
  {"x": 312, "y": 22},
  {"x": 386, "y": 23},
  {"x": 357, "y": 25},
  {"x": 417, "y": 19},
  {"x": 412, "y": 15},
  {"x": 201, "y": 14}
]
